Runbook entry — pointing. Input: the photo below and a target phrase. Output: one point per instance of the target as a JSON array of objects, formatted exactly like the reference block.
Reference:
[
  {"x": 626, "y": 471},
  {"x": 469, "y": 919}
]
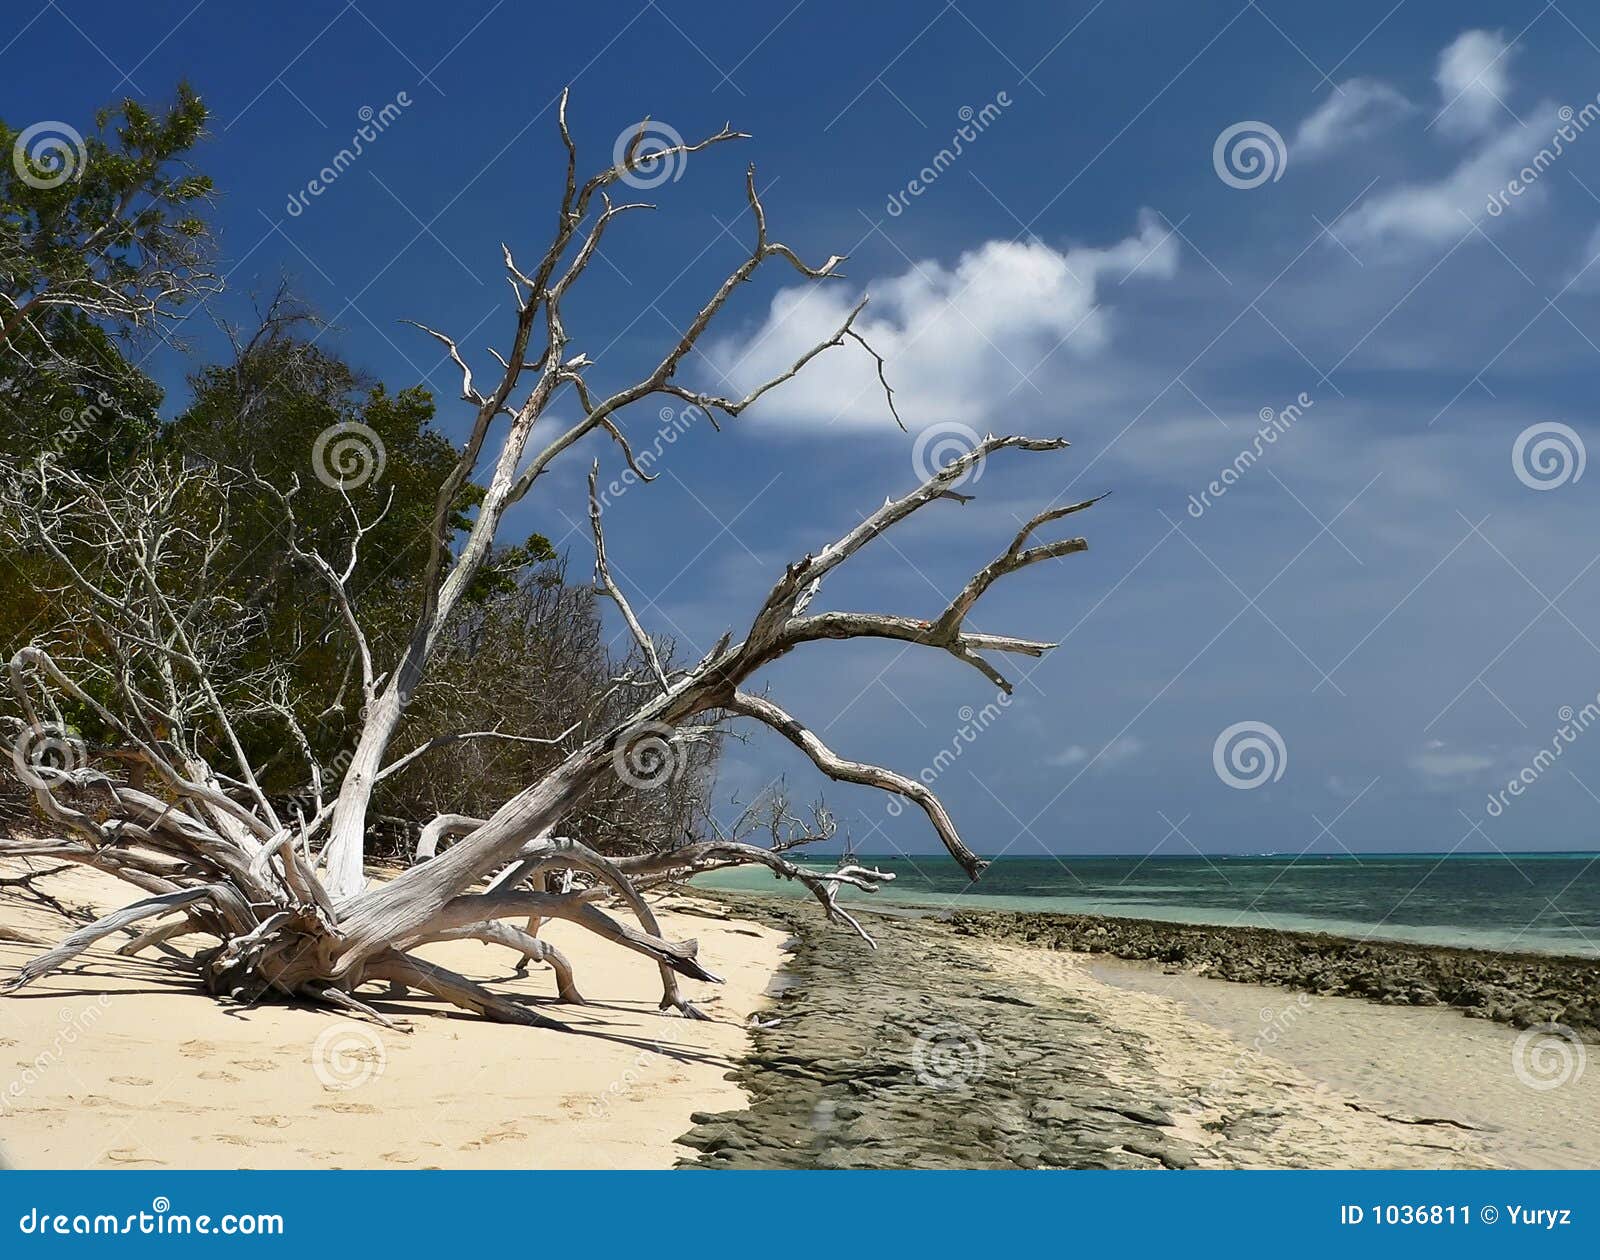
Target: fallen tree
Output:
[{"x": 168, "y": 800}]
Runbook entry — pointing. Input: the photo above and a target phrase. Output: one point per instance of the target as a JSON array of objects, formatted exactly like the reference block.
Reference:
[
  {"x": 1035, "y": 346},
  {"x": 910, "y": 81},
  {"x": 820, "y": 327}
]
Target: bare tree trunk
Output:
[{"x": 344, "y": 853}]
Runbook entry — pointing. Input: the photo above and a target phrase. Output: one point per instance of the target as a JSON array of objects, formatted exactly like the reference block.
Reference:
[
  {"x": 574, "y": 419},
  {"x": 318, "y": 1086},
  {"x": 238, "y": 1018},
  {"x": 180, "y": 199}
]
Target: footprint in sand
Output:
[
  {"x": 508, "y": 1132},
  {"x": 233, "y": 1139},
  {"x": 347, "y": 1108},
  {"x": 271, "y": 1122},
  {"x": 216, "y": 1074},
  {"x": 127, "y": 1155},
  {"x": 131, "y": 1080},
  {"x": 399, "y": 1157},
  {"x": 255, "y": 1065},
  {"x": 196, "y": 1049}
]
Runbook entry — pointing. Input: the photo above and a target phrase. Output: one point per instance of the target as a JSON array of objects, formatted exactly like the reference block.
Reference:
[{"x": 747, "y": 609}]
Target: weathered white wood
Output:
[
  {"x": 530, "y": 948},
  {"x": 86, "y": 936}
]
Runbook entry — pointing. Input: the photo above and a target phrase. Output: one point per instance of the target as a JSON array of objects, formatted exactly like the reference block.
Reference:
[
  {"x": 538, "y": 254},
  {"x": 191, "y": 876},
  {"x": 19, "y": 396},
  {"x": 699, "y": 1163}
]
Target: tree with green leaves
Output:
[
  {"x": 107, "y": 224},
  {"x": 102, "y": 240}
]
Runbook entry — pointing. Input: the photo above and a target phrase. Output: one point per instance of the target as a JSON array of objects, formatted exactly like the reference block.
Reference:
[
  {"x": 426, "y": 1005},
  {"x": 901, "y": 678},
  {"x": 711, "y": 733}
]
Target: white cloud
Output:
[
  {"x": 1120, "y": 750},
  {"x": 1473, "y": 83},
  {"x": 1439, "y": 763},
  {"x": 1431, "y": 213},
  {"x": 959, "y": 341},
  {"x": 1358, "y": 110}
]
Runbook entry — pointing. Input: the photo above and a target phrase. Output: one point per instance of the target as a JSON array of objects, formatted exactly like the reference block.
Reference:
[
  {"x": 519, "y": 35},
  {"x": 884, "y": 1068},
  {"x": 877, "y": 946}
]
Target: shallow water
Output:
[{"x": 1525, "y": 902}]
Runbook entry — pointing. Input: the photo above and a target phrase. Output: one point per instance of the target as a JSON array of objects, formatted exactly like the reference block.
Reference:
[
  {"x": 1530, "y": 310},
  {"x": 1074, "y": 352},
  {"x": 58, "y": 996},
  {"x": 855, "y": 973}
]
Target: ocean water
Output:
[{"x": 1534, "y": 902}]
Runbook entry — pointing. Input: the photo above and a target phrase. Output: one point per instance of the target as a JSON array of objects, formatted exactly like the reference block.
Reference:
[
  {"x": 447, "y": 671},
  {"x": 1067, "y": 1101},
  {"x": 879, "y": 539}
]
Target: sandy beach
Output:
[
  {"x": 1430, "y": 1068},
  {"x": 122, "y": 1062},
  {"x": 944, "y": 1047}
]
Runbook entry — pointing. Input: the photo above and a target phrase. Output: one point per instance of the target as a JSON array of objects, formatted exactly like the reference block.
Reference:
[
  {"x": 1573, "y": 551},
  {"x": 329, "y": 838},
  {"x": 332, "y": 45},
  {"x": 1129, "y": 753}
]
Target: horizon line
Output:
[{"x": 1201, "y": 856}]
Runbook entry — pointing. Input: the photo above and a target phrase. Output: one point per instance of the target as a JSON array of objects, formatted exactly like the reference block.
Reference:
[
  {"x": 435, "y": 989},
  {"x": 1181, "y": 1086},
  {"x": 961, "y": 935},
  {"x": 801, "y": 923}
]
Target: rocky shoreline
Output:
[
  {"x": 1517, "y": 989},
  {"x": 949, "y": 1047},
  {"x": 921, "y": 1055}
]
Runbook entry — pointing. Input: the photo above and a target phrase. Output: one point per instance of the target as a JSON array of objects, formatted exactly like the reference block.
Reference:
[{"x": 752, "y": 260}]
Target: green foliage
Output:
[
  {"x": 112, "y": 229},
  {"x": 91, "y": 421},
  {"x": 95, "y": 242}
]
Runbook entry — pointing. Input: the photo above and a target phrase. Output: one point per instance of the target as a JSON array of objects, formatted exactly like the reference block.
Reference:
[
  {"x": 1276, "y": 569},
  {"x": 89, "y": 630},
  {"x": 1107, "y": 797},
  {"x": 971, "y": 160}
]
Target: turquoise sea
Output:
[{"x": 1533, "y": 902}]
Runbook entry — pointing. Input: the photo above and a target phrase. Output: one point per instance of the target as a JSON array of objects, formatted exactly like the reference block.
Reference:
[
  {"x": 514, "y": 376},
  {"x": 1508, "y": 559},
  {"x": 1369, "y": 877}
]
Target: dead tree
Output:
[{"x": 287, "y": 898}]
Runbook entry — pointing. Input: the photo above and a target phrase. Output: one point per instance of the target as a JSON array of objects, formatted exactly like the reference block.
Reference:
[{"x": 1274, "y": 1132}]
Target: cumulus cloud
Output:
[
  {"x": 1358, "y": 110},
  {"x": 960, "y": 341},
  {"x": 1474, "y": 80}
]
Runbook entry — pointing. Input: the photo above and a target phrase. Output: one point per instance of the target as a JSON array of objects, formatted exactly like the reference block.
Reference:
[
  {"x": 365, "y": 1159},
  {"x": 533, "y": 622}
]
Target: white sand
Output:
[
  {"x": 1278, "y": 1079},
  {"x": 122, "y": 1062},
  {"x": 1411, "y": 1061}
]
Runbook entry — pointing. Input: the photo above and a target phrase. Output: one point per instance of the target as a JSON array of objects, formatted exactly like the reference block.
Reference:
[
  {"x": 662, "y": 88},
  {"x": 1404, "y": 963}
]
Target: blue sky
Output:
[{"x": 1380, "y": 588}]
